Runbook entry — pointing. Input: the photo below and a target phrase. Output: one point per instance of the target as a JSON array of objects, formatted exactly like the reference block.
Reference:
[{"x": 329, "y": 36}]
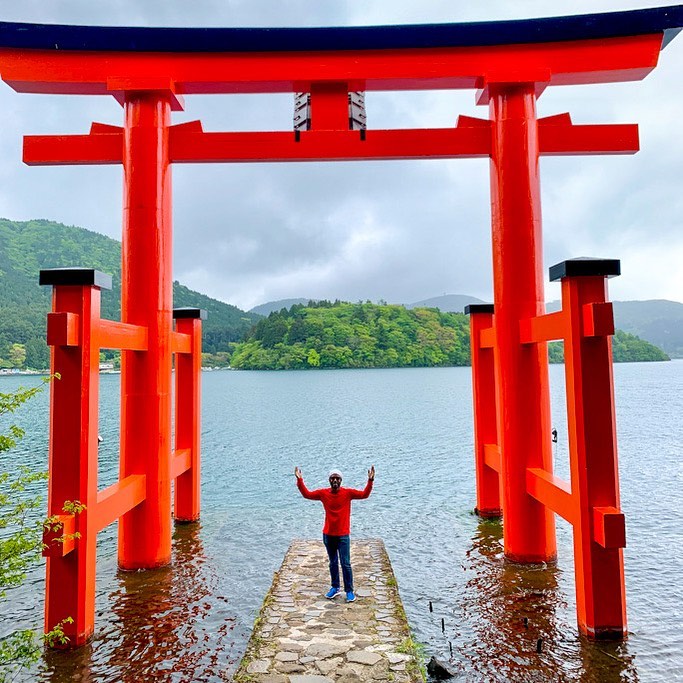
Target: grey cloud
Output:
[{"x": 177, "y": 12}]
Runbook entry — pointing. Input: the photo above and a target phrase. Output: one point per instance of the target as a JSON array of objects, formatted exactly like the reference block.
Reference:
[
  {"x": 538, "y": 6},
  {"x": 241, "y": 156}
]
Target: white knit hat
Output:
[{"x": 335, "y": 472}]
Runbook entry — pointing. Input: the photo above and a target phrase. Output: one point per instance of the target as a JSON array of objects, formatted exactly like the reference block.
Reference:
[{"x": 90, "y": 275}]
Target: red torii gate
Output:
[{"x": 510, "y": 64}]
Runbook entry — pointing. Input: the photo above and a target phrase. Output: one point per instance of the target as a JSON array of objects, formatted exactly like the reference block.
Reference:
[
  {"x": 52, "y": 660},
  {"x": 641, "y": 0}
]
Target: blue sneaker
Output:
[
  {"x": 333, "y": 593},
  {"x": 350, "y": 596}
]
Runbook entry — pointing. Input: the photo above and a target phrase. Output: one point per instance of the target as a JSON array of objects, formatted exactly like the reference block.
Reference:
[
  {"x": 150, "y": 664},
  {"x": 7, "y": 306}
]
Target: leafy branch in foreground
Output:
[
  {"x": 19, "y": 541},
  {"x": 20, "y": 537}
]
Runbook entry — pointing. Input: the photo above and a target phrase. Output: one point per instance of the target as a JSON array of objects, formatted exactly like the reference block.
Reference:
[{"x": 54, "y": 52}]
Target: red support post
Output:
[
  {"x": 71, "y": 550},
  {"x": 522, "y": 389},
  {"x": 145, "y": 531},
  {"x": 188, "y": 371},
  {"x": 484, "y": 404},
  {"x": 599, "y": 530}
]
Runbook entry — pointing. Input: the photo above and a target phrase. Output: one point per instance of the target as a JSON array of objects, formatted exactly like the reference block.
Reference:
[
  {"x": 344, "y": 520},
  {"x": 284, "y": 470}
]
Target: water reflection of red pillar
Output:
[
  {"x": 599, "y": 526},
  {"x": 188, "y": 370},
  {"x": 521, "y": 372},
  {"x": 146, "y": 299},
  {"x": 70, "y": 571},
  {"x": 486, "y": 450}
]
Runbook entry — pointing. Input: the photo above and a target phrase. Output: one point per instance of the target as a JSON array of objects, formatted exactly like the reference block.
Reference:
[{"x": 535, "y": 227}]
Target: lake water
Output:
[{"x": 191, "y": 620}]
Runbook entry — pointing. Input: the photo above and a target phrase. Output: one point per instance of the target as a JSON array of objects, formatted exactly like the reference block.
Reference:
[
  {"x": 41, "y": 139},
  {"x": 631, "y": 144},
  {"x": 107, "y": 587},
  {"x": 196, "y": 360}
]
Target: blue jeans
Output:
[{"x": 339, "y": 548}]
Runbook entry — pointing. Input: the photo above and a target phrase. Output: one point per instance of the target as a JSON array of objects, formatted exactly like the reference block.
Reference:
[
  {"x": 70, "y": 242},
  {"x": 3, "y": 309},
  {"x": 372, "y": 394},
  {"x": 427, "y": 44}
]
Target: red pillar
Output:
[
  {"x": 72, "y": 333},
  {"x": 484, "y": 404},
  {"x": 599, "y": 531},
  {"x": 188, "y": 373},
  {"x": 146, "y": 299},
  {"x": 521, "y": 371}
]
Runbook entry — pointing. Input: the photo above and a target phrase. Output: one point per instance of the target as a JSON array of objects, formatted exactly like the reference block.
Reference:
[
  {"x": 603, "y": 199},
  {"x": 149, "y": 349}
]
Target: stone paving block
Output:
[
  {"x": 324, "y": 650},
  {"x": 289, "y": 667},
  {"x": 363, "y": 657},
  {"x": 396, "y": 657},
  {"x": 290, "y": 645},
  {"x": 326, "y": 666},
  {"x": 287, "y": 657},
  {"x": 259, "y": 666},
  {"x": 350, "y": 677}
]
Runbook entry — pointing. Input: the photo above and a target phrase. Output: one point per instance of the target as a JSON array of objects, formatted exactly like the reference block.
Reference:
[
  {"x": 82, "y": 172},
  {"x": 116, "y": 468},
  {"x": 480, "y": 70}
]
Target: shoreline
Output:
[{"x": 43, "y": 373}]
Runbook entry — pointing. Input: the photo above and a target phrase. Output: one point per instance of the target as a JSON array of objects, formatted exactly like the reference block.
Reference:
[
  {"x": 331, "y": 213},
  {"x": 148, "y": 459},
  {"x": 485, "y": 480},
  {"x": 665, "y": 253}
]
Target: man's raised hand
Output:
[
  {"x": 371, "y": 473},
  {"x": 297, "y": 473}
]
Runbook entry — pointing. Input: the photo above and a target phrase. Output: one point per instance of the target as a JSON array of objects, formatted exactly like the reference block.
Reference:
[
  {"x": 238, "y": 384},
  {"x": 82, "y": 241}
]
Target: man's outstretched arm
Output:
[
  {"x": 311, "y": 495},
  {"x": 365, "y": 493}
]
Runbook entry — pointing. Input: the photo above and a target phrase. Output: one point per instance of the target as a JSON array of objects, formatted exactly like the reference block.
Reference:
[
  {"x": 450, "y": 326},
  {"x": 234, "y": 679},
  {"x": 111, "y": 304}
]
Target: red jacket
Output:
[{"x": 337, "y": 505}]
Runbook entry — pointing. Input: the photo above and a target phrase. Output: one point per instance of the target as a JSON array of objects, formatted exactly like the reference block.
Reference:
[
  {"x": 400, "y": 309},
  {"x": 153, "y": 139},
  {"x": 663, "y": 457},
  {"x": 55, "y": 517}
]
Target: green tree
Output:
[
  {"x": 275, "y": 332},
  {"x": 298, "y": 331},
  {"x": 17, "y": 355}
]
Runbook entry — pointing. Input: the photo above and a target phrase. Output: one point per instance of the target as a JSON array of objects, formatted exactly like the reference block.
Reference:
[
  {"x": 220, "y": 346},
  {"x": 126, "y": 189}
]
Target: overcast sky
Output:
[{"x": 401, "y": 231}]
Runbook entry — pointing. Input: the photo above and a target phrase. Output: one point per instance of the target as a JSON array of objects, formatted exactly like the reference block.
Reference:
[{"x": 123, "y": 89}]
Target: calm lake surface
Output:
[{"x": 191, "y": 621}]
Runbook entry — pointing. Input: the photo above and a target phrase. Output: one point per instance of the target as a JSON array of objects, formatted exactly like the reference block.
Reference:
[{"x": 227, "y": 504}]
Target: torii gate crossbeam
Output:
[{"x": 509, "y": 64}]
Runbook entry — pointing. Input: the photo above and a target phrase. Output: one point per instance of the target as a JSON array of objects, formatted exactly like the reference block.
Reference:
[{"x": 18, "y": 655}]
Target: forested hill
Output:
[
  {"x": 26, "y": 247},
  {"x": 366, "y": 335},
  {"x": 362, "y": 335}
]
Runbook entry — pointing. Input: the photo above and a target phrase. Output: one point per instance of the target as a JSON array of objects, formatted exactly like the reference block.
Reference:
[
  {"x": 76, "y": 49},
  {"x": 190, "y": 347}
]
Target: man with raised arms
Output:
[{"x": 337, "y": 503}]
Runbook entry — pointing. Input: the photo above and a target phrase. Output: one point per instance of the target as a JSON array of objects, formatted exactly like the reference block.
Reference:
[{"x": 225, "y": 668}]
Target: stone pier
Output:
[{"x": 301, "y": 637}]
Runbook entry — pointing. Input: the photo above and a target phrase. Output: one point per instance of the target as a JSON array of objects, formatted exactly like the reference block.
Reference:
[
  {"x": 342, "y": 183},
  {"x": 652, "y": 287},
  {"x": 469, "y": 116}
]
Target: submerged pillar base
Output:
[{"x": 488, "y": 513}]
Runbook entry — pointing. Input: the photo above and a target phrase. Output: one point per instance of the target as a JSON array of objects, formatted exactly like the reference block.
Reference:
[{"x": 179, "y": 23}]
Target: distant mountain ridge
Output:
[
  {"x": 28, "y": 246},
  {"x": 447, "y": 303},
  {"x": 266, "y": 309}
]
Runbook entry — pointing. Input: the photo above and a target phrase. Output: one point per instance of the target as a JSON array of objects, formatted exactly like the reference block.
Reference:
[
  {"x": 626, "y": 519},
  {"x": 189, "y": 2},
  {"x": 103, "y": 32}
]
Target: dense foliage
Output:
[
  {"x": 26, "y": 247},
  {"x": 361, "y": 335}
]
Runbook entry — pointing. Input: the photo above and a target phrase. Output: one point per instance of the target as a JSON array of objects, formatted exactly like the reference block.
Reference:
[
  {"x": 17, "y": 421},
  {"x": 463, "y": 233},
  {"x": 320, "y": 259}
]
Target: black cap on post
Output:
[
  {"x": 585, "y": 267},
  {"x": 478, "y": 308},
  {"x": 75, "y": 276},
  {"x": 187, "y": 312}
]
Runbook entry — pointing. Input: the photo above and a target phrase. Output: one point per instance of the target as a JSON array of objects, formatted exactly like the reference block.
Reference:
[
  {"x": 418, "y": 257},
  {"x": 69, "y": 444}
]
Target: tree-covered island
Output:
[
  {"x": 367, "y": 335},
  {"x": 360, "y": 335}
]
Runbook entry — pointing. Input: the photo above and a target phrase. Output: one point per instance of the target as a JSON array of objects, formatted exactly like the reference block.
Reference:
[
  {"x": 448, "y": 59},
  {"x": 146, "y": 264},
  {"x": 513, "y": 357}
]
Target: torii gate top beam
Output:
[
  {"x": 393, "y": 37},
  {"x": 569, "y": 50}
]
